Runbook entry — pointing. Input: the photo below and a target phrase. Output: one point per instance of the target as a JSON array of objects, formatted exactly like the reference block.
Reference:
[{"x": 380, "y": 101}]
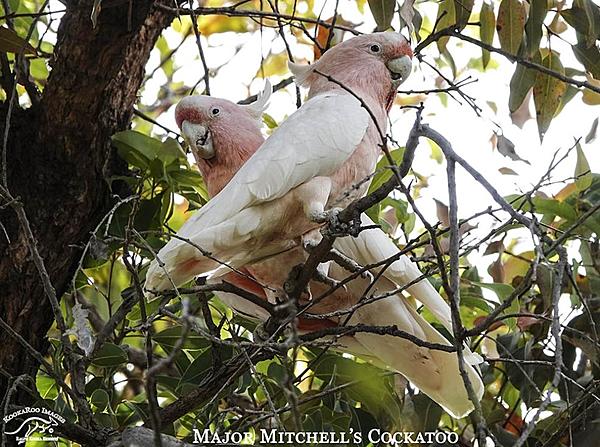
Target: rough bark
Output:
[{"x": 60, "y": 159}]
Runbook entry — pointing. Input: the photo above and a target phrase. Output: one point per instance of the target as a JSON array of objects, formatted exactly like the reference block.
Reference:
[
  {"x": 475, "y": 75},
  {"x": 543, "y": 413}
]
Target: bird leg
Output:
[
  {"x": 313, "y": 195},
  {"x": 311, "y": 239}
]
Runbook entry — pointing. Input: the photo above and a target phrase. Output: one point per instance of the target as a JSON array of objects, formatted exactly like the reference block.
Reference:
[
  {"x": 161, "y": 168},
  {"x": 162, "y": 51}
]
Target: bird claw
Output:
[
  {"x": 309, "y": 244},
  {"x": 290, "y": 284},
  {"x": 335, "y": 227},
  {"x": 325, "y": 216}
]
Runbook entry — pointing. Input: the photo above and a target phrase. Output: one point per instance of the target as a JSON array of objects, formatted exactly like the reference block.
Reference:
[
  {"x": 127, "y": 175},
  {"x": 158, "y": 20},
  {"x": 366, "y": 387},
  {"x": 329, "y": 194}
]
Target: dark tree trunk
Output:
[{"x": 60, "y": 158}]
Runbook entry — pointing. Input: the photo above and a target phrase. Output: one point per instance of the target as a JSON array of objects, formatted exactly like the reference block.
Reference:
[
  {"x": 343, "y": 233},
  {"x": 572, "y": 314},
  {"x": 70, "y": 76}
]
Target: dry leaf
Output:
[
  {"x": 507, "y": 148},
  {"x": 507, "y": 171},
  {"x": 523, "y": 114},
  {"x": 442, "y": 213},
  {"x": 407, "y": 13}
]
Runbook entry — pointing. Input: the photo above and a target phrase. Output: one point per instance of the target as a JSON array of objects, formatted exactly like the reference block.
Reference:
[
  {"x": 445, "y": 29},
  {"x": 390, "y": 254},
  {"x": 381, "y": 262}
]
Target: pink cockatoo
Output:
[
  {"x": 433, "y": 371},
  {"x": 310, "y": 163}
]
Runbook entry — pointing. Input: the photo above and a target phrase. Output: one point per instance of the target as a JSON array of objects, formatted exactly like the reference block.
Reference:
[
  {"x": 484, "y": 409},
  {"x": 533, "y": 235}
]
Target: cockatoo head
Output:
[
  {"x": 213, "y": 128},
  {"x": 373, "y": 64}
]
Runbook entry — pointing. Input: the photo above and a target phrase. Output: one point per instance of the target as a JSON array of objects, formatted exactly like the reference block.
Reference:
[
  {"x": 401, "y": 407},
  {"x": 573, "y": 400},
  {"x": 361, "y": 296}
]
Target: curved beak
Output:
[
  {"x": 199, "y": 139},
  {"x": 400, "y": 69}
]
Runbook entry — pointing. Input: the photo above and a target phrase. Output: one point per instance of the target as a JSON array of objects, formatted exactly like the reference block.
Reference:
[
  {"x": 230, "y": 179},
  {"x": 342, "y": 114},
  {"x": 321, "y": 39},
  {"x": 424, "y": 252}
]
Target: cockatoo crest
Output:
[
  {"x": 258, "y": 107},
  {"x": 300, "y": 72}
]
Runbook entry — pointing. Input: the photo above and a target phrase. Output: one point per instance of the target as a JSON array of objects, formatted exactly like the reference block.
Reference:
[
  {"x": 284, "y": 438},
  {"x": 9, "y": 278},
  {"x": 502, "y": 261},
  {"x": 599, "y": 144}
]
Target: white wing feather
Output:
[
  {"x": 373, "y": 246},
  {"x": 433, "y": 371}
]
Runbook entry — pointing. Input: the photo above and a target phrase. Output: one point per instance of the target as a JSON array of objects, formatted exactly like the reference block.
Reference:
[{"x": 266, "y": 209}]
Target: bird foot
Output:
[
  {"x": 324, "y": 216},
  {"x": 290, "y": 284},
  {"x": 310, "y": 240},
  {"x": 335, "y": 227}
]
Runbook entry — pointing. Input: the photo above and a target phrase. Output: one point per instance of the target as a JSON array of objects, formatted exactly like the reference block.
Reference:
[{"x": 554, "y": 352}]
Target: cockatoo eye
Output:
[
  {"x": 375, "y": 48},
  {"x": 215, "y": 111}
]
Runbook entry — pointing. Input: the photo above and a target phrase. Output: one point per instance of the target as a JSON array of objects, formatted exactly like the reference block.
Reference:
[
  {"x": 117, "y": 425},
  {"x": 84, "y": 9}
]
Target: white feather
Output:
[
  {"x": 434, "y": 372},
  {"x": 374, "y": 246},
  {"x": 300, "y": 72},
  {"x": 258, "y": 107}
]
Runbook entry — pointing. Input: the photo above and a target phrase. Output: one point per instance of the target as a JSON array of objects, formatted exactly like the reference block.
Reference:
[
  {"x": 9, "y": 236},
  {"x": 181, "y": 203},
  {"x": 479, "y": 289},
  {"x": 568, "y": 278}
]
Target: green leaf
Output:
[
  {"x": 195, "y": 372},
  {"x": 383, "y": 171},
  {"x": 583, "y": 175},
  {"x": 187, "y": 177},
  {"x": 269, "y": 121},
  {"x": 171, "y": 150},
  {"x": 274, "y": 64},
  {"x": 383, "y": 13},
  {"x": 109, "y": 356},
  {"x": 507, "y": 149},
  {"x": 487, "y": 21},
  {"x": 585, "y": 18},
  {"x": 472, "y": 301},
  {"x": 590, "y": 11},
  {"x": 38, "y": 69},
  {"x": 136, "y": 148},
  {"x": 407, "y": 17},
  {"x": 548, "y": 92},
  {"x": 46, "y": 386},
  {"x": 447, "y": 56},
  {"x": 221, "y": 24},
  {"x": 569, "y": 95},
  {"x": 446, "y": 18},
  {"x": 520, "y": 84},
  {"x": 591, "y": 136},
  {"x": 463, "y": 9},
  {"x": 589, "y": 58},
  {"x": 10, "y": 42},
  {"x": 417, "y": 24},
  {"x": 148, "y": 214},
  {"x": 168, "y": 338},
  {"x": 534, "y": 25},
  {"x": 503, "y": 291},
  {"x": 100, "y": 399},
  {"x": 550, "y": 207},
  {"x": 511, "y": 24}
]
